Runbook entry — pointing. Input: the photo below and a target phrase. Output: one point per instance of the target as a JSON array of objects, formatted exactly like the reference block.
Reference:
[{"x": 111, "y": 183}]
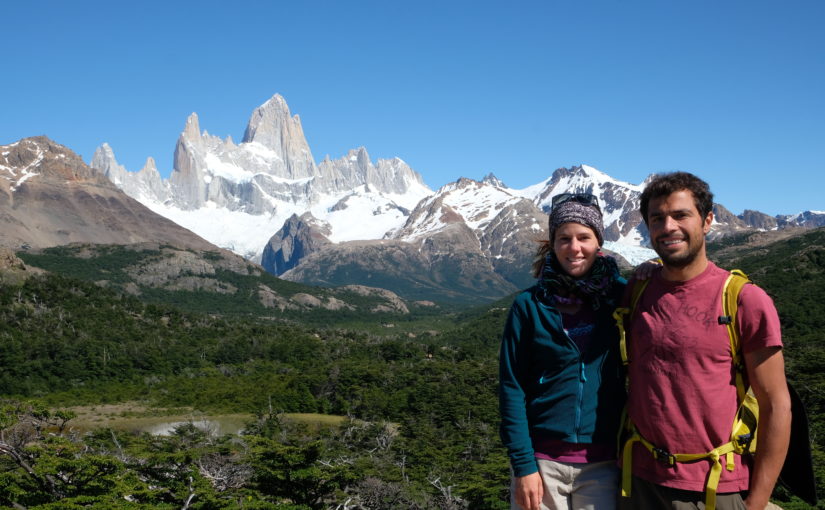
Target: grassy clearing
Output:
[{"x": 136, "y": 417}]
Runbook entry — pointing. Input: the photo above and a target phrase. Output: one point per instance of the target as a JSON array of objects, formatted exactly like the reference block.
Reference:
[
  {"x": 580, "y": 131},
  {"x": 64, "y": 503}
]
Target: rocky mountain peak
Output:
[
  {"x": 275, "y": 128},
  {"x": 758, "y": 220},
  {"x": 363, "y": 157},
  {"x": 462, "y": 183},
  {"x": 39, "y": 157},
  {"x": 808, "y": 219},
  {"x": 104, "y": 152},
  {"x": 725, "y": 222},
  {"x": 104, "y": 161},
  {"x": 268, "y": 121},
  {"x": 149, "y": 166},
  {"x": 192, "y": 130},
  {"x": 492, "y": 180},
  {"x": 299, "y": 236}
]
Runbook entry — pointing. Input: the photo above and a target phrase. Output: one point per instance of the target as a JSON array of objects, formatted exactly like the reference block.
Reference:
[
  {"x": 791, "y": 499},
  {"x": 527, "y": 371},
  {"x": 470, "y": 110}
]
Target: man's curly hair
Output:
[{"x": 665, "y": 184}]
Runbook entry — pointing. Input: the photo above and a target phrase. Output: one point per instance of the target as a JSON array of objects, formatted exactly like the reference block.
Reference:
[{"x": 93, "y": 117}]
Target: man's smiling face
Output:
[{"x": 677, "y": 229}]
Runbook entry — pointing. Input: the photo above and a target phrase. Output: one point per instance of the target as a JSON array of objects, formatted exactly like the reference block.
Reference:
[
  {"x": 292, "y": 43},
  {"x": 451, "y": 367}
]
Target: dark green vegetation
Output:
[
  {"x": 420, "y": 396},
  {"x": 424, "y": 434}
]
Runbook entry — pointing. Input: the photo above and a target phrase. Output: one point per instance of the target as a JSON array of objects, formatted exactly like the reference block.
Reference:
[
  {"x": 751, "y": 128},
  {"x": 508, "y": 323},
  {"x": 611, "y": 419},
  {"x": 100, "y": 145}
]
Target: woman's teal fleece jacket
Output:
[{"x": 548, "y": 387}]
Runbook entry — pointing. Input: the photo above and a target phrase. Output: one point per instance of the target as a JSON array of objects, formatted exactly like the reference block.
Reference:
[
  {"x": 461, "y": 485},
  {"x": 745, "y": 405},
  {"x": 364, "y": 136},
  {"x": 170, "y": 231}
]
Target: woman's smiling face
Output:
[{"x": 575, "y": 246}]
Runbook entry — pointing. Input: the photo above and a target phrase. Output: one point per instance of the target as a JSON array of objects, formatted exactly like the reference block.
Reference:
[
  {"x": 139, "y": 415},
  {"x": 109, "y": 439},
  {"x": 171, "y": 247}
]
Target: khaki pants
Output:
[
  {"x": 574, "y": 486},
  {"x": 645, "y": 495}
]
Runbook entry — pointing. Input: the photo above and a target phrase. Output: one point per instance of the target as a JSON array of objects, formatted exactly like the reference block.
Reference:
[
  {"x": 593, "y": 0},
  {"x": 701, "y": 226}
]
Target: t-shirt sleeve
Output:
[{"x": 758, "y": 320}]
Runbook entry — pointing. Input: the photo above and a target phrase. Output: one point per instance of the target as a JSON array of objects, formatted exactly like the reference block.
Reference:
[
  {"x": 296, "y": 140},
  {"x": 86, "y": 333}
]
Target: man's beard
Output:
[{"x": 682, "y": 259}]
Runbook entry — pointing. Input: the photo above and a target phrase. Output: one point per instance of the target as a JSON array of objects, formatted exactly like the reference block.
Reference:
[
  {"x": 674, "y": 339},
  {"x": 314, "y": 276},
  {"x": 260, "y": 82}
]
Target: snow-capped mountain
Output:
[
  {"x": 619, "y": 200},
  {"x": 808, "y": 219},
  {"x": 238, "y": 195},
  {"x": 469, "y": 240},
  {"x": 350, "y": 220}
]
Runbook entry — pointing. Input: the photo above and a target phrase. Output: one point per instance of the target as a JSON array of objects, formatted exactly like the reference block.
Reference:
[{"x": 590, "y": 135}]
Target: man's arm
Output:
[{"x": 766, "y": 374}]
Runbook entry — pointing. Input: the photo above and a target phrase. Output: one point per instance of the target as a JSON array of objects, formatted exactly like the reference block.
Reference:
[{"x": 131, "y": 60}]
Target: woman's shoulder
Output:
[
  {"x": 527, "y": 294},
  {"x": 530, "y": 296}
]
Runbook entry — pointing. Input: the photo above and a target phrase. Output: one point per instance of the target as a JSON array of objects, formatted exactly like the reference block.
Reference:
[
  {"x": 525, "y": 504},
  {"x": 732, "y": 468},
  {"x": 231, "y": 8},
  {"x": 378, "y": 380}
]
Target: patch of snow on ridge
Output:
[
  {"x": 801, "y": 215},
  {"x": 479, "y": 203},
  {"x": 415, "y": 193},
  {"x": 602, "y": 178},
  {"x": 261, "y": 151},
  {"x": 25, "y": 174},
  {"x": 240, "y": 232},
  {"x": 23, "y": 179},
  {"x": 228, "y": 171},
  {"x": 533, "y": 191},
  {"x": 362, "y": 216}
]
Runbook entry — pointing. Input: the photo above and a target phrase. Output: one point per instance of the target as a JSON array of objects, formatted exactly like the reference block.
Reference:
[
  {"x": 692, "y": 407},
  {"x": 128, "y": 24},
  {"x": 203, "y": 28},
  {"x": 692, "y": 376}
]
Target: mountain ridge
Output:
[
  {"x": 273, "y": 128},
  {"x": 267, "y": 200},
  {"x": 50, "y": 197}
]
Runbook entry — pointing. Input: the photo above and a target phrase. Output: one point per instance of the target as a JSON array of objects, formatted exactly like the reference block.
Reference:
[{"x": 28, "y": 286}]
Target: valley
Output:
[{"x": 395, "y": 409}]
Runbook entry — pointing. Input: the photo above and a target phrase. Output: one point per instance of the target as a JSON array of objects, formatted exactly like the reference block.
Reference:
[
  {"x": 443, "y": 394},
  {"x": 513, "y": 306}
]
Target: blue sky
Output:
[{"x": 733, "y": 91}]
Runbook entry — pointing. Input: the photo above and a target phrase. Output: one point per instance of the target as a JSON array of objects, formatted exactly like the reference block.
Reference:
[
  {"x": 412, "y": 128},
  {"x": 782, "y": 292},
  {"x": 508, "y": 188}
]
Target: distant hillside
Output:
[
  {"x": 50, "y": 197},
  {"x": 215, "y": 282}
]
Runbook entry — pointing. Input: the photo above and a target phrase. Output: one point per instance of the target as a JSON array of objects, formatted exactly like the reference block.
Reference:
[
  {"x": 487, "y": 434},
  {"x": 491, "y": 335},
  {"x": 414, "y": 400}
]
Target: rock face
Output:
[
  {"x": 49, "y": 197},
  {"x": 273, "y": 127},
  {"x": 299, "y": 237},
  {"x": 725, "y": 223},
  {"x": 807, "y": 219},
  {"x": 471, "y": 241},
  {"x": 434, "y": 268},
  {"x": 12, "y": 270},
  {"x": 758, "y": 220},
  {"x": 145, "y": 184},
  {"x": 272, "y": 169},
  {"x": 391, "y": 176}
]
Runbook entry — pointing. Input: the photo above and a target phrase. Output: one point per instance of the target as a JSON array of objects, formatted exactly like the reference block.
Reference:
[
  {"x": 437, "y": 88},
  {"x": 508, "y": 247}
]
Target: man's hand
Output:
[
  {"x": 766, "y": 372},
  {"x": 647, "y": 269},
  {"x": 529, "y": 491}
]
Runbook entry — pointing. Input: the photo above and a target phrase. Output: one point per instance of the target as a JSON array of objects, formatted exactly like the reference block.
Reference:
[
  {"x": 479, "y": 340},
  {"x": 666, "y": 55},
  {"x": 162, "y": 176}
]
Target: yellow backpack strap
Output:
[
  {"x": 639, "y": 287},
  {"x": 745, "y": 421},
  {"x": 633, "y": 436},
  {"x": 730, "y": 297}
]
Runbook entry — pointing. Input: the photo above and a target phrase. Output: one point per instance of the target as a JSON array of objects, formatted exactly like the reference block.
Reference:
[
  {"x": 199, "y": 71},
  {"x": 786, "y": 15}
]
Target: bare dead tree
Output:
[
  {"x": 446, "y": 501},
  {"x": 224, "y": 472},
  {"x": 191, "y": 495},
  {"x": 23, "y": 424}
]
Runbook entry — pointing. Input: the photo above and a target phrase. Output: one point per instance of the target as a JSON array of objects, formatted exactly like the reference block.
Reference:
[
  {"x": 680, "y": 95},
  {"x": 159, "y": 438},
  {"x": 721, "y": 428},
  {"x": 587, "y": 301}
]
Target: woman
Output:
[{"x": 562, "y": 389}]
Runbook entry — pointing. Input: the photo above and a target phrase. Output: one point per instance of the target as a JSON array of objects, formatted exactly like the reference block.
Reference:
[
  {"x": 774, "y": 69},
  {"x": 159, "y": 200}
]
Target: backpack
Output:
[{"x": 743, "y": 431}]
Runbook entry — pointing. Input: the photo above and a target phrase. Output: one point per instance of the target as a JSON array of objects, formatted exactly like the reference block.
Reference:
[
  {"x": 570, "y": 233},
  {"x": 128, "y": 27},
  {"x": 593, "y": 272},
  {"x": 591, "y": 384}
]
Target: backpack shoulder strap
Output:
[
  {"x": 636, "y": 291},
  {"x": 743, "y": 433},
  {"x": 730, "y": 298}
]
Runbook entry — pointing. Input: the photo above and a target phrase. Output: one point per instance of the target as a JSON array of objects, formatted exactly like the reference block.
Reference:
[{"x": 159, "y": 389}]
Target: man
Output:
[{"x": 682, "y": 395}]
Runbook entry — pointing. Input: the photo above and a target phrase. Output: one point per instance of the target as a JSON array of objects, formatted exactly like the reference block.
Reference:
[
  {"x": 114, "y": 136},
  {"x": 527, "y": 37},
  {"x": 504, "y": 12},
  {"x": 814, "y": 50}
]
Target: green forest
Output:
[{"x": 415, "y": 405}]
